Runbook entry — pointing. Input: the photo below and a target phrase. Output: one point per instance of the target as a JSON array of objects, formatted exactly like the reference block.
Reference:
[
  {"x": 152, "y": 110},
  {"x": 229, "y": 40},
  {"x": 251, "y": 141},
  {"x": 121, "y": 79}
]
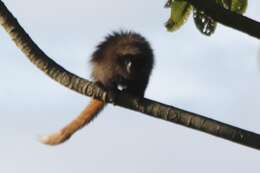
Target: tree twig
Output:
[{"x": 148, "y": 107}]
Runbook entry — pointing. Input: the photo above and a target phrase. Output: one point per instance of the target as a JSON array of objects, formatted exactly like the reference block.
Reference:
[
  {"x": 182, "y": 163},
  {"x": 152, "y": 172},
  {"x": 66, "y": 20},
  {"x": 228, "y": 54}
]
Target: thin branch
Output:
[
  {"x": 149, "y": 107},
  {"x": 228, "y": 18}
]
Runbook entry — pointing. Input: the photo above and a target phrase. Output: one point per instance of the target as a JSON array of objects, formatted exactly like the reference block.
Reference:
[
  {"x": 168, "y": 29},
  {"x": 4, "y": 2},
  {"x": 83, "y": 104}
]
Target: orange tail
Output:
[{"x": 94, "y": 107}]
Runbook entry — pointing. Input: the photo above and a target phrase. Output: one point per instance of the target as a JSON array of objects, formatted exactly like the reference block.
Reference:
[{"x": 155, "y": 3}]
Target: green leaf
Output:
[
  {"x": 238, "y": 6},
  {"x": 168, "y": 4},
  {"x": 205, "y": 24},
  {"x": 180, "y": 11},
  {"x": 226, "y": 3}
]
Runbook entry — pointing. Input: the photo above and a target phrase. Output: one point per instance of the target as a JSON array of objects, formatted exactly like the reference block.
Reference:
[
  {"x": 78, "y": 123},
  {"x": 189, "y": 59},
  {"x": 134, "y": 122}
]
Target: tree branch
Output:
[
  {"x": 149, "y": 107},
  {"x": 228, "y": 18}
]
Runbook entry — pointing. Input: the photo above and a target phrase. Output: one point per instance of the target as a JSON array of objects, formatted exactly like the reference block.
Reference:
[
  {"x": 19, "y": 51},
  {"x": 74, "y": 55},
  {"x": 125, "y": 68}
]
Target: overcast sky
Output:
[{"x": 216, "y": 76}]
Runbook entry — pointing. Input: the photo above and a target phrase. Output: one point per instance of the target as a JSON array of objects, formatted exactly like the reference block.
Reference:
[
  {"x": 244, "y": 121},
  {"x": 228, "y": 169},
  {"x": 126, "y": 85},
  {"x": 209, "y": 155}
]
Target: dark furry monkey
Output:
[{"x": 123, "y": 61}]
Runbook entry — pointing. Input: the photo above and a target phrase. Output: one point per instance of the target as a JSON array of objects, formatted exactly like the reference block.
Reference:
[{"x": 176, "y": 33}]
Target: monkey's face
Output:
[
  {"x": 127, "y": 70},
  {"x": 131, "y": 65}
]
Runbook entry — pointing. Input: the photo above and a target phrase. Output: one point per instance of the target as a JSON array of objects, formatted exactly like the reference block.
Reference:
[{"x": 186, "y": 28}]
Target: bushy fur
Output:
[
  {"x": 122, "y": 59},
  {"x": 109, "y": 68}
]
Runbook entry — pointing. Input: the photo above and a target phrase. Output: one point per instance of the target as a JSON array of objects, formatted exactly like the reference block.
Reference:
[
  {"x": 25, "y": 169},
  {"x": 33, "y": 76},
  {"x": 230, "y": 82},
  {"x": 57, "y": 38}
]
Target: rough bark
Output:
[{"x": 148, "y": 107}]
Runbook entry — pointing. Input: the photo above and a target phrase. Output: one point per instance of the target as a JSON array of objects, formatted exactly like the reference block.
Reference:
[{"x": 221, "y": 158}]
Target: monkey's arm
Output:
[{"x": 94, "y": 107}]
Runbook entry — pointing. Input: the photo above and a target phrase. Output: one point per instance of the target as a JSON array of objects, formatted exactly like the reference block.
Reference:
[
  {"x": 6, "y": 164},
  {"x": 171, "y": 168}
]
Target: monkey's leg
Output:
[{"x": 94, "y": 107}]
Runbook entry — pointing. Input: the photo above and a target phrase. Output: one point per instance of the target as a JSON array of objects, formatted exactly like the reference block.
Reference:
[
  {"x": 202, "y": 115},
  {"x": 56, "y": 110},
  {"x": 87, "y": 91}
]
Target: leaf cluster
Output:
[{"x": 181, "y": 9}]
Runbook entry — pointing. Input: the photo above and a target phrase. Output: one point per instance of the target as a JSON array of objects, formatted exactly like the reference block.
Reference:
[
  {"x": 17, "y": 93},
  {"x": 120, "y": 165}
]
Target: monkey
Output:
[{"x": 122, "y": 62}]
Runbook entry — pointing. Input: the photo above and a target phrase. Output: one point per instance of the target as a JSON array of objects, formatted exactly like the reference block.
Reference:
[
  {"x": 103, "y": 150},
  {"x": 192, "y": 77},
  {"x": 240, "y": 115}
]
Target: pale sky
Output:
[{"x": 217, "y": 76}]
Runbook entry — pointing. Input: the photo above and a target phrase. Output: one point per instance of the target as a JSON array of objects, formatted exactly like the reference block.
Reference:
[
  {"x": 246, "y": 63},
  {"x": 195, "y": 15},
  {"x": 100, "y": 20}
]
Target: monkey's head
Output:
[
  {"x": 133, "y": 55},
  {"x": 124, "y": 58}
]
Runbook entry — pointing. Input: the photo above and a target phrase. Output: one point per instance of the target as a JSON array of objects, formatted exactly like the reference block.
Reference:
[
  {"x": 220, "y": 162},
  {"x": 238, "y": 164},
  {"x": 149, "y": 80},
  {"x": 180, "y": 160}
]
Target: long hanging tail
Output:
[{"x": 93, "y": 108}]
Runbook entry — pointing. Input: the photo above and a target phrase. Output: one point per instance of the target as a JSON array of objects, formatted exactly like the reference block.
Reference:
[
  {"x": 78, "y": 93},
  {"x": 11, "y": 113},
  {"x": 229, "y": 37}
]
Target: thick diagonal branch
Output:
[
  {"x": 149, "y": 107},
  {"x": 228, "y": 18}
]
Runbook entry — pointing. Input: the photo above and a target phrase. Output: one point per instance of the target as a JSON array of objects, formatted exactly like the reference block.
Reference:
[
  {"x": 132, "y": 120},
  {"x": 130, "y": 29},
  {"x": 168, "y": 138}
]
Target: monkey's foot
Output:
[{"x": 54, "y": 138}]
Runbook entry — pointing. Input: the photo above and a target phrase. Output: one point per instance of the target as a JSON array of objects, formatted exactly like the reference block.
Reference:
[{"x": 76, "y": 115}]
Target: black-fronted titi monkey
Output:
[{"x": 123, "y": 61}]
